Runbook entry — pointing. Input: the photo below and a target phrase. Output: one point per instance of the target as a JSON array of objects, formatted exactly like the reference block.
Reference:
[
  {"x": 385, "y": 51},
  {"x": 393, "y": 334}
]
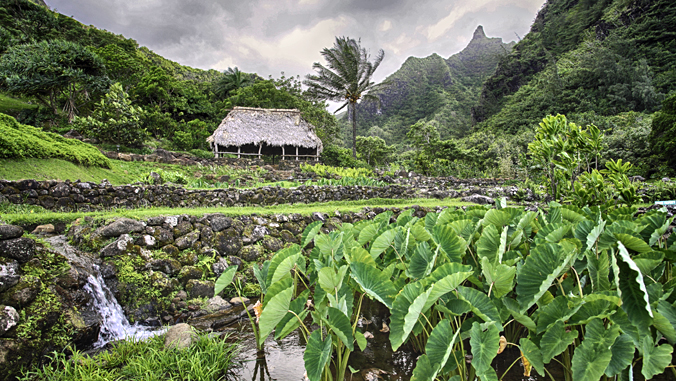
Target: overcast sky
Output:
[{"x": 271, "y": 36}]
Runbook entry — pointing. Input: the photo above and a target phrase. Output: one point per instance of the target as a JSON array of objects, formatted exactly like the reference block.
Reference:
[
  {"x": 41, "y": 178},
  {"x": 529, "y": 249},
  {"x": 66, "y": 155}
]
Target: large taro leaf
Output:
[
  {"x": 668, "y": 311},
  {"x": 293, "y": 318},
  {"x": 422, "y": 261},
  {"x": 464, "y": 228},
  {"x": 330, "y": 280},
  {"x": 664, "y": 326},
  {"x": 489, "y": 245},
  {"x": 655, "y": 358},
  {"x": 513, "y": 308},
  {"x": 374, "y": 283},
  {"x": 278, "y": 258},
  {"x": 635, "y": 299},
  {"x": 406, "y": 310},
  {"x": 572, "y": 214},
  {"x": 545, "y": 263},
  {"x": 262, "y": 275},
  {"x": 330, "y": 245},
  {"x": 622, "y": 354},
  {"x": 496, "y": 217},
  {"x": 488, "y": 374},
  {"x": 599, "y": 270},
  {"x": 438, "y": 349},
  {"x": 277, "y": 288},
  {"x": 359, "y": 254},
  {"x": 632, "y": 243},
  {"x": 592, "y": 357},
  {"x": 383, "y": 242},
  {"x": 310, "y": 232},
  {"x": 555, "y": 340},
  {"x": 225, "y": 279},
  {"x": 533, "y": 354},
  {"x": 419, "y": 232},
  {"x": 559, "y": 308},
  {"x": 481, "y": 305},
  {"x": 424, "y": 370},
  {"x": 340, "y": 325},
  {"x": 485, "y": 346},
  {"x": 275, "y": 310},
  {"x": 295, "y": 261},
  {"x": 367, "y": 233},
  {"x": 647, "y": 262},
  {"x": 450, "y": 243},
  {"x": 500, "y": 277},
  {"x": 317, "y": 355}
]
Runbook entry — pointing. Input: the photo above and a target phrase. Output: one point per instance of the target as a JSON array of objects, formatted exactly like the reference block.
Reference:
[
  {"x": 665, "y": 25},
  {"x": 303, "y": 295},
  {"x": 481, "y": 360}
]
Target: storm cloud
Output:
[{"x": 269, "y": 37}]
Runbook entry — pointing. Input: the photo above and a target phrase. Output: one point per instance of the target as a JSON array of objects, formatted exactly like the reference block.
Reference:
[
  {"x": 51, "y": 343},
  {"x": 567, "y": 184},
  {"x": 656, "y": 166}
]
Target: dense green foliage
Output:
[
  {"x": 207, "y": 359},
  {"x": 588, "y": 288},
  {"x": 21, "y": 141},
  {"x": 114, "y": 120},
  {"x": 663, "y": 135}
]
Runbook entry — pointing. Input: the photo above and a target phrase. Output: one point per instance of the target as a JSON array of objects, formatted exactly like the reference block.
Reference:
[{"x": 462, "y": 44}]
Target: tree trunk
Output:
[{"x": 353, "y": 105}]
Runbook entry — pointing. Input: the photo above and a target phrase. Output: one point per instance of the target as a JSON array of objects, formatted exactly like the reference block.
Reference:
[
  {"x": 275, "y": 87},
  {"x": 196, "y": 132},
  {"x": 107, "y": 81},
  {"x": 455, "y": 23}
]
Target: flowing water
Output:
[{"x": 114, "y": 325}]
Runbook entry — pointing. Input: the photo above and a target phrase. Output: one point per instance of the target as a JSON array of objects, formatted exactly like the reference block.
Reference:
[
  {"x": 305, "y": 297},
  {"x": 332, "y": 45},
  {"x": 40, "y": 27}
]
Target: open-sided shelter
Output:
[{"x": 248, "y": 131}]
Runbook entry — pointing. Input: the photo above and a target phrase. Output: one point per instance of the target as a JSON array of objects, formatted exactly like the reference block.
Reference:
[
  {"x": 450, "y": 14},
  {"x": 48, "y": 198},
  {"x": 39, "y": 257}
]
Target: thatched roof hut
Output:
[{"x": 257, "y": 131}]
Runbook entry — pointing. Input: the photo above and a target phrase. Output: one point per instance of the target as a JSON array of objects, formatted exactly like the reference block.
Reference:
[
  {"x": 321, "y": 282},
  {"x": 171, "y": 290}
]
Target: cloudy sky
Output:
[{"x": 271, "y": 36}]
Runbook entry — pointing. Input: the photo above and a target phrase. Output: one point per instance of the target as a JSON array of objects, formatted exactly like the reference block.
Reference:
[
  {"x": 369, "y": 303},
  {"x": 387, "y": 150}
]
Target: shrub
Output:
[
  {"x": 21, "y": 141},
  {"x": 341, "y": 157}
]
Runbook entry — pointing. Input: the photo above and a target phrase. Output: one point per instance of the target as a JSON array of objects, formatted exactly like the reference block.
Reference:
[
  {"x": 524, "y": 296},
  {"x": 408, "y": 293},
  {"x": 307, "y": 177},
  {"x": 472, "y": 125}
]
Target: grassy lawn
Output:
[
  {"x": 10, "y": 105},
  {"x": 27, "y": 215}
]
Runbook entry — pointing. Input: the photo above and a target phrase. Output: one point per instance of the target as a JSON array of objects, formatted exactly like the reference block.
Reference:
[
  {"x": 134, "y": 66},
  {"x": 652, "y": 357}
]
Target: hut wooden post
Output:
[
  {"x": 282, "y": 152},
  {"x": 260, "y": 147},
  {"x": 296, "y": 153},
  {"x": 239, "y": 150}
]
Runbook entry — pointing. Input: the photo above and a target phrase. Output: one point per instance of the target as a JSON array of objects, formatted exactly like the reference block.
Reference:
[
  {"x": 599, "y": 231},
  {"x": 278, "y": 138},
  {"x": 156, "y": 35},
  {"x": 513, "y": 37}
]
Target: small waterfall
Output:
[{"x": 115, "y": 325}]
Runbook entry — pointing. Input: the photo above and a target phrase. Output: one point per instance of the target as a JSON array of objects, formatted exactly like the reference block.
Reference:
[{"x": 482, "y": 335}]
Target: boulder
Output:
[
  {"x": 9, "y": 274},
  {"x": 121, "y": 246},
  {"x": 21, "y": 249},
  {"x": 189, "y": 272},
  {"x": 168, "y": 266},
  {"x": 47, "y": 229},
  {"x": 227, "y": 242},
  {"x": 123, "y": 226},
  {"x": 219, "y": 266},
  {"x": 217, "y": 304},
  {"x": 10, "y": 231},
  {"x": 9, "y": 318},
  {"x": 237, "y": 300},
  {"x": 273, "y": 244},
  {"x": 200, "y": 288},
  {"x": 219, "y": 222},
  {"x": 478, "y": 199},
  {"x": 180, "y": 336},
  {"x": 251, "y": 253},
  {"x": 254, "y": 233},
  {"x": 187, "y": 240},
  {"x": 23, "y": 293},
  {"x": 183, "y": 228}
]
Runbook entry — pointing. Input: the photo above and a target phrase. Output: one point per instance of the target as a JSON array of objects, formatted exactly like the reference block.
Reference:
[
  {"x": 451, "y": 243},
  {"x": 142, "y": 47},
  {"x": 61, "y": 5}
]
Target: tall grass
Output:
[{"x": 207, "y": 359}]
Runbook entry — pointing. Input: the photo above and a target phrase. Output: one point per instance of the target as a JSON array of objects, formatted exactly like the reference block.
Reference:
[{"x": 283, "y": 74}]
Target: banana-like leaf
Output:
[
  {"x": 556, "y": 340},
  {"x": 225, "y": 279},
  {"x": 533, "y": 354},
  {"x": 558, "y": 309},
  {"x": 488, "y": 245},
  {"x": 599, "y": 270},
  {"x": 632, "y": 243},
  {"x": 485, "y": 346},
  {"x": 544, "y": 264},
  {"x": 383, "y": 242},
  {"x": 278, "y": 258},
  {"x": 317, "y": 355},
  {"x": 592, "y": 357},
  {"x": 310, "y": 232},
  {"x": 450, "y": 243},
  {"x": 622, "y": 354},
  {"x": 481, "y": 305},
  {"x": 635, "y": 299},
  {"x": 262, "y": 275},
  {"x": 340, "y": 325},
  {"x": 361, "y": 340},
  {"x": 274, "y": 312},
  {"x": 500, "y": 276},
  {"x": 290, "y": 322},
  {"x": 406, "y": 310},
  {"x": 295, "y": 261},
  {"x": 422, "y": 261},
  {"x": 655, "y": 358},
  {"x": 373, "y": 282}
]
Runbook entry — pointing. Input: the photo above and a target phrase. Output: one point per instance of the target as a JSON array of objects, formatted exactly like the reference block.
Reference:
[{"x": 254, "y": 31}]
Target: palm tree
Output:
[
  {"x": 231, "y": 80},
  {"x": 347, "y": 77}
]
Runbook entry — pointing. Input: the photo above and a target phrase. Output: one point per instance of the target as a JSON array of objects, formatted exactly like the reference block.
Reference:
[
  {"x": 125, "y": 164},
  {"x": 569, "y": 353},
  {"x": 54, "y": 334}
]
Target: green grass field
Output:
[
  {"x": 11, "y": 106},
  {"x": 29, "y": 215}
]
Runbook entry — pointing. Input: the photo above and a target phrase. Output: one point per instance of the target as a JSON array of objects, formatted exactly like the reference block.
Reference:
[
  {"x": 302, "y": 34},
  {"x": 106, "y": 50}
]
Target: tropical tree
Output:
[
  {"x": 53, "y": 70},
  {"x": 231, "y": 80},
  {"x": 347, "y": 77}
]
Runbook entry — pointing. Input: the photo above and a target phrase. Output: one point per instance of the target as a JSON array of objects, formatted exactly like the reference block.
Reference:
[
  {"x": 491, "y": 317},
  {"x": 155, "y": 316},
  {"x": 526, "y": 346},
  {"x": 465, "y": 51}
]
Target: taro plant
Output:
[{"x": 588, "y": 288}]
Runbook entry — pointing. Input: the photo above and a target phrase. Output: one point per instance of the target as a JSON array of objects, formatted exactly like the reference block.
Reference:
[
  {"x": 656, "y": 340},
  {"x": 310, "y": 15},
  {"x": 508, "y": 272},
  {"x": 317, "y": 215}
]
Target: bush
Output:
[
  {"x": 21, "y": 141},
  {"x": 341, "y": 157},
  {"x": 114, "y": 120}
]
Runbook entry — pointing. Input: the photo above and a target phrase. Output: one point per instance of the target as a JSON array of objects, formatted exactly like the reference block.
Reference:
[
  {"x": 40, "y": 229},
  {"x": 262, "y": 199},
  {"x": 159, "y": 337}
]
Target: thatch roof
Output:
[{"x": 275, "y": 127}]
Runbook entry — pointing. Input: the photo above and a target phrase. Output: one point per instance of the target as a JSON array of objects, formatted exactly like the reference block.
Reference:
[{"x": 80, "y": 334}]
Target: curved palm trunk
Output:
[{"x": 353, "y": 105}]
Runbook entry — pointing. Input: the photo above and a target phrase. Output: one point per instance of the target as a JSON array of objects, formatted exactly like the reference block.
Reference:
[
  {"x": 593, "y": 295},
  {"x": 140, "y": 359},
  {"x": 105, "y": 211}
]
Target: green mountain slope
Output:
[
  {"x": 598, "y": 58},
  {"x": 434, "y": 89}
]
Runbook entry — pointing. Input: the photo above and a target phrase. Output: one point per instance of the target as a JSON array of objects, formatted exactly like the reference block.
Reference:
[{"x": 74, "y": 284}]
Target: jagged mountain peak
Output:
[{"x": 479, "y": 33}]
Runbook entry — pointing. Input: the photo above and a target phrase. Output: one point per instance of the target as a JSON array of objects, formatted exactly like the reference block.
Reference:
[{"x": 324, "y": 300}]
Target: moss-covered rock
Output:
[
  {"x": 189, "y": 272},
  {"x": 227, "y": 242},
  {"x": 251, "y": 253},
  {"x": 23, "y": 293},
  {"x": 272, "y": 244},
  {"x": 200, "y": 288}
]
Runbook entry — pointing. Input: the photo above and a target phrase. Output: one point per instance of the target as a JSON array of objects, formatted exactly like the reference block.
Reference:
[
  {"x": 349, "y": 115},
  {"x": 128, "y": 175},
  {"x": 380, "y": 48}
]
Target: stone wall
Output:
[{"x": 87, "y": 196}]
